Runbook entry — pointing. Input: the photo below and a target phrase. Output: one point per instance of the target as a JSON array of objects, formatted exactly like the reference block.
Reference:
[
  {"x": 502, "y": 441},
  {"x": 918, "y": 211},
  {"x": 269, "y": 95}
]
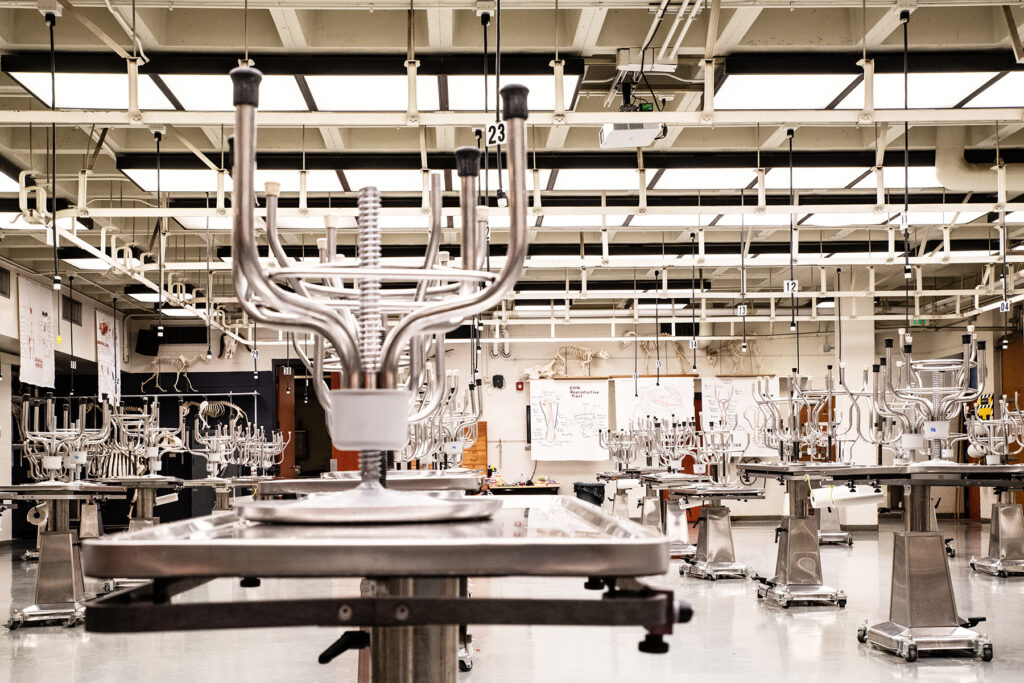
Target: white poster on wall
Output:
[
  {"x": 665, "y": 398},
  {"x": 36, "y": 329},
  {"x": 108, "y": 365},
  {"x": 732, "y": 400},
  {"x": 565, "y": 418}
]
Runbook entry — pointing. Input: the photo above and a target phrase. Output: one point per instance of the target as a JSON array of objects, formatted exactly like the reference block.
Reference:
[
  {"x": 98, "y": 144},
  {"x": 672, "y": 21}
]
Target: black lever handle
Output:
[
  {"x": 779, "y": 530},
  {"x": 350, "y": 640}
]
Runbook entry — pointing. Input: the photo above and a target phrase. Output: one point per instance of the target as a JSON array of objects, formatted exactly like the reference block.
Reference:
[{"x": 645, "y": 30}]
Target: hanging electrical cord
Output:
[
  {"x": 71, "y": 316},
  {"x": 693, "y": 292},
  {"x": 743, "y": 270},
  {"x": 1004, "y": 305},
  {"x": 160, "y": 239},
  {"x": 51, "y": 21},
  {"x": 657, "y": 335},
  {"x": 209, "y": 288},
  {"x": 255, "y": 354},
  {"x": 636, "y": 342},
  {"x": 500, "y": 194},
  {"x": 905, "y": 218},
  {"x": 117, "y": 359},
  {"x": 839, "y": 312},
  {"x": 792, "y": 232}
]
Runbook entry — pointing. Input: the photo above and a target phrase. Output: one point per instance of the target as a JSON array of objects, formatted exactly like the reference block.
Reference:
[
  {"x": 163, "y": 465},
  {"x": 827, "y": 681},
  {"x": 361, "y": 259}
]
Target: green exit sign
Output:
[{"x": 919, "y": 322}]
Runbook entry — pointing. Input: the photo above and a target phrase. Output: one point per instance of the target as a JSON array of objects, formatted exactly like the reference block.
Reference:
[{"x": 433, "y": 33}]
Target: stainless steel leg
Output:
[{"x": 409, "y": 654}]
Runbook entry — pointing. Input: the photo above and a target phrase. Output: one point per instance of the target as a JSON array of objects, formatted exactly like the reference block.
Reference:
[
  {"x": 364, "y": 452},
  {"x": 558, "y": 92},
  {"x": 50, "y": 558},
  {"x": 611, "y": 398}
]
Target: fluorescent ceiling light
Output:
[
  {"x": 599, "y": 179},
  {"x": 146, "y": 295},
  {"x": 665, "y": 307},
  {"x": 926, "y": 91},
  {"x": 540, "y": 310},
  {"x": 212, "y": 92},
  {"x": 180, "y": 313},
  {"x": 316, "y": 181},
  {"x": 1008, "y": 91},
  {"x": 92, "y": 91},
  {"x": 674, "y": 220},
  {"x": 893, "y": 178},
  {"x": 466, "y": 93},
  {"x": 771, "y": 220},
  {"x": 843, "y": 256},
  {"x": 939, "y": 218},
  {"x": 810, "y": 178},
  {"x": 388, "y": 180},
  {"x": 372, "y": 93},
  {"x": 12, "y": 220},
  {"x": 826, "y": 303},
  {"x": 7, "y": 183},
  {"x": 563, "y": 220},
  {"x": 838, "y": 220},
  {"x": 702, "y": 178},
  {"x": 1015, "y": 217},
  {"x": 199, "y": 222},
  {"x": 79, "y": 258},
  {"x": 780, "y": 91},
  {"x": 176, "y": 179}
]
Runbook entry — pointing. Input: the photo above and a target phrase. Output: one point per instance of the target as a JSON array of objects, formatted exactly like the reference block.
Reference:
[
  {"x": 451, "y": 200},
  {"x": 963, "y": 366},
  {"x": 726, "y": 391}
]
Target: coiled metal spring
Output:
[{"x": 370, "y": 324}]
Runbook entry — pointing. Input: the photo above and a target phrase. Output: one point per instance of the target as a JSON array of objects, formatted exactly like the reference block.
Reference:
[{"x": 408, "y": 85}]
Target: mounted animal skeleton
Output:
[
  {"x": 181, "y": 367},
  {"x": 554, "y": 368},
  {"x": 582, "y": 355}
]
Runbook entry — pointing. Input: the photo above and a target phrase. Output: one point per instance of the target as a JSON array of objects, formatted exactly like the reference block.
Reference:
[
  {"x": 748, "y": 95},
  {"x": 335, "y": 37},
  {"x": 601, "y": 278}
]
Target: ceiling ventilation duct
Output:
[{"x": 956, "y": 174}]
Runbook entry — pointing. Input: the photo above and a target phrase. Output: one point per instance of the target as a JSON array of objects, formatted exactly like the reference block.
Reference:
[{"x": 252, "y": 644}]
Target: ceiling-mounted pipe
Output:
[{"x": 956, "y": 174}]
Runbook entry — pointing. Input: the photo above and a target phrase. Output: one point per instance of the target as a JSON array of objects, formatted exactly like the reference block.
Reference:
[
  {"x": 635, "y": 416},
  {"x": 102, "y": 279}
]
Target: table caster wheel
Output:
[
  {"x": 862, "y": 635},
  {"x": 986, "y": 653},
  {"x": 974, "y": 566},
  {"x": 784, "y": 604},
  {"x": 841, "y": 603},
  {"x": 911, "y": 654},
  {"x": 465, "y": 666},
  {"x": 849, "y": 542},
  {"x": 13, "y": 625},
  {"x": 1002, "y": 574}
]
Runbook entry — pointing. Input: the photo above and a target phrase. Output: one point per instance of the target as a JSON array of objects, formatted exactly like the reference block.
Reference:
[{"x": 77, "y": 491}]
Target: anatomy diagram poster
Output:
[
  {"x": 107, "y": 363},
  {"x": 37, "y": 329},
  {"x": 650, "y": 397},
  {"x": 565, "y": 418},
  {"x": 732, "y": 400}
]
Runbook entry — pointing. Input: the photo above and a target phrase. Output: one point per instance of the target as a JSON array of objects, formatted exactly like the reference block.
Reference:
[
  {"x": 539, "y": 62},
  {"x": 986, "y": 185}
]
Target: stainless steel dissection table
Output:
[
  {"x": 412, "y": 609},
  {"x": 923, "y": 615},
  {"x": 715, "y": 556}
]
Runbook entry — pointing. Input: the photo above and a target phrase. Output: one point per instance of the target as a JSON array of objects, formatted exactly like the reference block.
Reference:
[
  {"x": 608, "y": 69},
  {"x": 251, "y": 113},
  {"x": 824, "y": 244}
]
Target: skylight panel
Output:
[
  {"x": 770, "y": 220},
  {"x": 839, "y": 220},
  {"x": 580, "y": 220},
  {"x": 220, "y": 223},
  {"x": 597, "y": 179},
  {"x": 1008, "y": 91},
  {"x": 704, "y": 178},
  {"x": 213, "y": 92},
  {"x": 781, "y": 91},
  {"x": 176, "y": 179},
  {"x": 812, "y": 178},
  {"x": 466, "y": 93},
  {"x": 7, "y": 183},
  {"x": 672, "y": 220},
  {"x": 387, "y": 180},
  {"x": 372, "y": 93},
  {"x": 92, "y": 90},
  {"x": 892, "y": 178},
  {"x": 926, "y": 91},
  {"x": 13, "y": 220}
]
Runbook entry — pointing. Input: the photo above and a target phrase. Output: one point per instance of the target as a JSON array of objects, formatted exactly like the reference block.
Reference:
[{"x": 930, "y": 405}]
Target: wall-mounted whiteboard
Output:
[
  {"x": 651, "y": 397},
  {"x": 732, "y": 400},
  {"x": 565, "y": 417}
]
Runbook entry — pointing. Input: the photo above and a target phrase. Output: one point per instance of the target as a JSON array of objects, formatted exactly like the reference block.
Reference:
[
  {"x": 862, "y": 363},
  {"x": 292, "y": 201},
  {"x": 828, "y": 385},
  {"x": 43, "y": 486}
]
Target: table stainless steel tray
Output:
[
  {"x": 387, "y": 506},
  {"x": 157, "y": 481},
  {"x": 529, "y": 536},
  {"x": 791, "y": 470},
  {"x": 661, "y": 481},
  {"x": 405, "y": 480},
  {"x": 716, "y": 491},
  {"x": 59, "y": 490},
  {"x": 933, "y": 473},
  {"x": 629, "y": 473}
]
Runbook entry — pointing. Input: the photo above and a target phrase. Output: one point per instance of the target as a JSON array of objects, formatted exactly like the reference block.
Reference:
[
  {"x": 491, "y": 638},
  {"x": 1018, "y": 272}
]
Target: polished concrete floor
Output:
[{"x": 733, "y": 636}]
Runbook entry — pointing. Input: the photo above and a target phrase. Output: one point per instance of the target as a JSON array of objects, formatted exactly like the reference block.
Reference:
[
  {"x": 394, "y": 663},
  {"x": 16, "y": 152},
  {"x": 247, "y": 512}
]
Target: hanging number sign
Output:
[
  {"x": 741, "y": 310},
  {"x": 790, "y": 286},
  {"x": 693, "y": 343},
  {"x": 1004, "y": 306},
  {"x": 255, "y": 354},
  {"x": 495, "y": 133}
]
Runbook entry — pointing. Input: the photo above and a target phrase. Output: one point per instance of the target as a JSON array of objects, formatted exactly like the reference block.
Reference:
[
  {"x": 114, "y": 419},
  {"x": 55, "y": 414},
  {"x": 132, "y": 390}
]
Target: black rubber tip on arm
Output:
[
  {"x": 965, "y": 339},
  {"x": 888, "y": 343},
  {"x": 230, "y": 157},
  {"x": 906, "y": 348},
  {"x": 876, "y": 367},
  {"x": 881, "y": 361},
  {"x": 981, "y": 346},
  {"x": 467, "y": 161},
  {"x": 513, "y": 99},
  {"x": 247, "y": 85}
]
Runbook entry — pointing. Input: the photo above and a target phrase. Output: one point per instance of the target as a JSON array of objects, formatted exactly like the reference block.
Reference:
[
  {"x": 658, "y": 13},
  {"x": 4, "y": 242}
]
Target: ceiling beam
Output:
[
  {"x": 588, "y": 30},
  {"x": 883, "y": 27},
  {"x": 732, "y": 34},
  {"x": 440, "y": 29},
  {"x": 289, "y": 28}
]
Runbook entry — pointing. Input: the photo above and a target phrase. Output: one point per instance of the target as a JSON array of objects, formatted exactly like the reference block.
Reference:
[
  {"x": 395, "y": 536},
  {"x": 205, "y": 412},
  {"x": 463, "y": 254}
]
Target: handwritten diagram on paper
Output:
[
  {"x": 36, "y": 328},
  {"x": 649, "y": 397},
  {"x": 732, "y": 399},
  {"x": 565, "y": 418}
]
